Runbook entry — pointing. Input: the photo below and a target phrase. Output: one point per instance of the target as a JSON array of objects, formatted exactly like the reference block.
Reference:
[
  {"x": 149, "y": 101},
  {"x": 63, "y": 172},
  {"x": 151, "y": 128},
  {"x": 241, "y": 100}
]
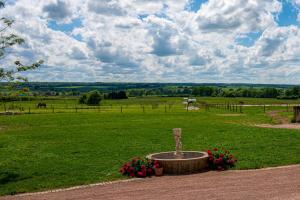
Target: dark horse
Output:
[{"x": 41, "y": 105}]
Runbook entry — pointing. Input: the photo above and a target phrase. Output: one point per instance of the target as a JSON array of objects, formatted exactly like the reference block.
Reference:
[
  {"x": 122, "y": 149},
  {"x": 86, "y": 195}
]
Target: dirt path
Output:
[
  {"x": 272, "y": 183},
  {"x": 282, "y": 121},
  {"x": 275, "y": 114}
]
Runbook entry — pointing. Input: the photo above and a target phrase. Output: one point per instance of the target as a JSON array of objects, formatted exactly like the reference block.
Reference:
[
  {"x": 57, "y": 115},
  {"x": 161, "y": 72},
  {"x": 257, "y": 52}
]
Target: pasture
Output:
[{"x": 73, "y": 145}]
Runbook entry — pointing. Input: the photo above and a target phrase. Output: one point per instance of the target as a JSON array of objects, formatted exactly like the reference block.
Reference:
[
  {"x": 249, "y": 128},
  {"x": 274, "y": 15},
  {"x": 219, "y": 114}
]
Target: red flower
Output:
[
  {"x": 221, "y": 155},
  {"x": 122, "y": 171},
  {"x": 215, "y": 149},
  {"x": 211, "y": 158},
  {"x": 149, "y": 170},
  {"x": 209, "y": 152},
  {"x": 143, "y": 167},
  {"x": 140, "y": 174},
  {"x": 132, "y": 174}
]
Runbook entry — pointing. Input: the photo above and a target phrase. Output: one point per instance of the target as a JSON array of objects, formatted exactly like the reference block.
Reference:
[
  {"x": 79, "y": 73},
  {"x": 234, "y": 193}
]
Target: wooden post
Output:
[
  {"x": 296, "y": 118},
  {"x": 76, "y": 109},
  {"x": 29, "y": 110}
]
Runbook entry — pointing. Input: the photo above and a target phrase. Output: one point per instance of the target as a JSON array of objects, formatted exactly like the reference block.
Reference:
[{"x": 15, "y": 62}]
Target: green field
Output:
[{"x": 66, "y": 148}]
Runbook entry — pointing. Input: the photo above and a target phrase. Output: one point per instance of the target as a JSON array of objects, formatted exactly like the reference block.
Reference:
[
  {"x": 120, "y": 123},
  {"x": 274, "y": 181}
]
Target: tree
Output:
[
  {"x": 82, "y": 99},
  {"x": 93, "y": 98},
  {"x": 8, "y": 40}
]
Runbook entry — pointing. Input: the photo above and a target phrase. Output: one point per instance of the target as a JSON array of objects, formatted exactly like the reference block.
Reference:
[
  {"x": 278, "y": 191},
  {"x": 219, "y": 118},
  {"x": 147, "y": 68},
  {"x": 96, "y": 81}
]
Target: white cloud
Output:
[{"x": 141, "y": 40}]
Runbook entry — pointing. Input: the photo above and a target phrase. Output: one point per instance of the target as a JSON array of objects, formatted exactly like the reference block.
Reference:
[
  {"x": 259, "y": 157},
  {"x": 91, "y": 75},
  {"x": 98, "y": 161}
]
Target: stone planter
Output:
[{"x": 191, "y": 162}]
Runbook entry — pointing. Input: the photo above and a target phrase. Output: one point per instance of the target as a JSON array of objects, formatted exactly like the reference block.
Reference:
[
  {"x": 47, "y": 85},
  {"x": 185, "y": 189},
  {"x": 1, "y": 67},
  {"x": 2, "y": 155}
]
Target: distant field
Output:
[
  {"x": 69, "y": 104},
  {"x": 52, "y": 150}
]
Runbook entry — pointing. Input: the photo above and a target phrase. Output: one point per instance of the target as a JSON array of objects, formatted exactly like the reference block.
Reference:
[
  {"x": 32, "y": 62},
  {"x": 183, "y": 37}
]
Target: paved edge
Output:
[{"x": 135, "y": 179}]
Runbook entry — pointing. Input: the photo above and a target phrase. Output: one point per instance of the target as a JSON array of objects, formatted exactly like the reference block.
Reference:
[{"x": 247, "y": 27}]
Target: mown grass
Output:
[{"x": 46, "y": 151}]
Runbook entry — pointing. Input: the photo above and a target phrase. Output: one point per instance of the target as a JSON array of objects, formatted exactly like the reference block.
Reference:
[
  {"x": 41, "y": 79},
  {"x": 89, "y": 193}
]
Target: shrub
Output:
[
  {"x": 94, "y": 98},
  {"x": 116, "y": 95},
  {"x": 82, "y": 99},
  {"x": 138, "y": 167},
  {"x": 220, "y": 159}
]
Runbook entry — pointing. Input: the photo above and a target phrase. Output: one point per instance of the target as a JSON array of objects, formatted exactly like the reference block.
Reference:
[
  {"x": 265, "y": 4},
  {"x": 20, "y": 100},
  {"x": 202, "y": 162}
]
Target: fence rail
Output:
[{"x": 226, "y": 107}]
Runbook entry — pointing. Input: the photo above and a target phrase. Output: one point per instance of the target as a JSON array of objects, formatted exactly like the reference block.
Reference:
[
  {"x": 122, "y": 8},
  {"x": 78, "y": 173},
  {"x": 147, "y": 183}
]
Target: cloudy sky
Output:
[{"x": 249, "y": 41}]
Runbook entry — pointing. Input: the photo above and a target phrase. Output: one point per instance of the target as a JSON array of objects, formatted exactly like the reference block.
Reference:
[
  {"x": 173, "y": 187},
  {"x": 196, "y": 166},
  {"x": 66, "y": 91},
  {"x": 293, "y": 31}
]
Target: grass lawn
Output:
[{"x": 46, "y": 151}]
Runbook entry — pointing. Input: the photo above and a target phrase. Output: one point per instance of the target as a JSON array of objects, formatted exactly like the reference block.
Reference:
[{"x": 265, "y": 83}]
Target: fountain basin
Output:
[{"x": 190, "y": 162}]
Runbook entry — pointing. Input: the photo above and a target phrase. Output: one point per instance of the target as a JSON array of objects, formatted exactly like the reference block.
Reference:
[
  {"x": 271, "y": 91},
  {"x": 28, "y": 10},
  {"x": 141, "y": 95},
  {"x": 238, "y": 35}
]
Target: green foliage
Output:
[
  {"x": 116, "y": 95},
  {"x": 8, "y": 40},
  {"x": 82, "y": 99},
  {"x": 92, "y": 98}
]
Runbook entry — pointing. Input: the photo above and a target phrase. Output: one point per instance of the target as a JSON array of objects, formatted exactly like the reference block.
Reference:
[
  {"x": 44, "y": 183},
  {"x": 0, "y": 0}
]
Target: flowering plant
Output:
[
  {"x": 139, "y": 167},
  {"x": 220, "y": 159}
]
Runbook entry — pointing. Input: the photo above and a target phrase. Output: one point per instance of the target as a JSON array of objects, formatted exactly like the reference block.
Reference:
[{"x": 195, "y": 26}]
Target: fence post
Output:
[
  {"x": 76, "y": 109},
  {"x": 29, "y": 110}
]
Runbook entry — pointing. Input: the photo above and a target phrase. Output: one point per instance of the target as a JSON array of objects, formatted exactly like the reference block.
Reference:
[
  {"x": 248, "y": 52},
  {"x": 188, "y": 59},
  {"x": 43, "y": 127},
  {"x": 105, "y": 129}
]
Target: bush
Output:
[
  {"x": 82, "y": 99},
  {"x": 220, "y": 159},
  {"x": 93, "y": 98},
  {"x": 116, "y": 95},
  {"x": 138, "y": 167}
]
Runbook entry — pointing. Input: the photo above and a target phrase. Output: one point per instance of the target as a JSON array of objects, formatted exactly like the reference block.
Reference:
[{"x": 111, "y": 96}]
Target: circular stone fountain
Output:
[{"x": 180, "y": 162}]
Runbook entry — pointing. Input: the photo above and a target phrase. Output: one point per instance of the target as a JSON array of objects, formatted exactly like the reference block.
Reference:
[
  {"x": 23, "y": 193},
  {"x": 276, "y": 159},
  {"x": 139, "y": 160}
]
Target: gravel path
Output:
[{"x": 271, "y": 183}]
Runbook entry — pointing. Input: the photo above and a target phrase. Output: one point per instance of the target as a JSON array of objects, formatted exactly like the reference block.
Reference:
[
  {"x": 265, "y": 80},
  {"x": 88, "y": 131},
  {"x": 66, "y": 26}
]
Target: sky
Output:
[{"x": 201, "y": 41}]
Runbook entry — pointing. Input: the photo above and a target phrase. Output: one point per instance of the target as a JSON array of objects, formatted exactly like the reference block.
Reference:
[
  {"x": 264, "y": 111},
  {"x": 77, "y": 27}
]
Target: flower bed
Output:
[
  {"x": 220, "y": 159},
  {"x": 139, "y": 167}
]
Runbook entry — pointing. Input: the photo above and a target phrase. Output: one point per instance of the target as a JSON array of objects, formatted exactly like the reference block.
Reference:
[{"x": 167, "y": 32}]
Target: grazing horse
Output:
[{"x": 41, "y": 105}]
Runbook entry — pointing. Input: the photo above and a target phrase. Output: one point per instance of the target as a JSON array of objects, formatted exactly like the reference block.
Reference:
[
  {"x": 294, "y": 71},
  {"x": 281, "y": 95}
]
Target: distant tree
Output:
[
  {"x": 82, "y": 99},
  {"x": 7, "y": 40},
  {"x": 116, "y": 95},
  {"x": 93, "y": 98}
]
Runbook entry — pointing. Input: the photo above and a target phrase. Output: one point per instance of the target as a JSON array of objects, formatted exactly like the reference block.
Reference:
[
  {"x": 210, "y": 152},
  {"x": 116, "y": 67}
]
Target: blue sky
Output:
[{"x": 250, "y": 41}]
